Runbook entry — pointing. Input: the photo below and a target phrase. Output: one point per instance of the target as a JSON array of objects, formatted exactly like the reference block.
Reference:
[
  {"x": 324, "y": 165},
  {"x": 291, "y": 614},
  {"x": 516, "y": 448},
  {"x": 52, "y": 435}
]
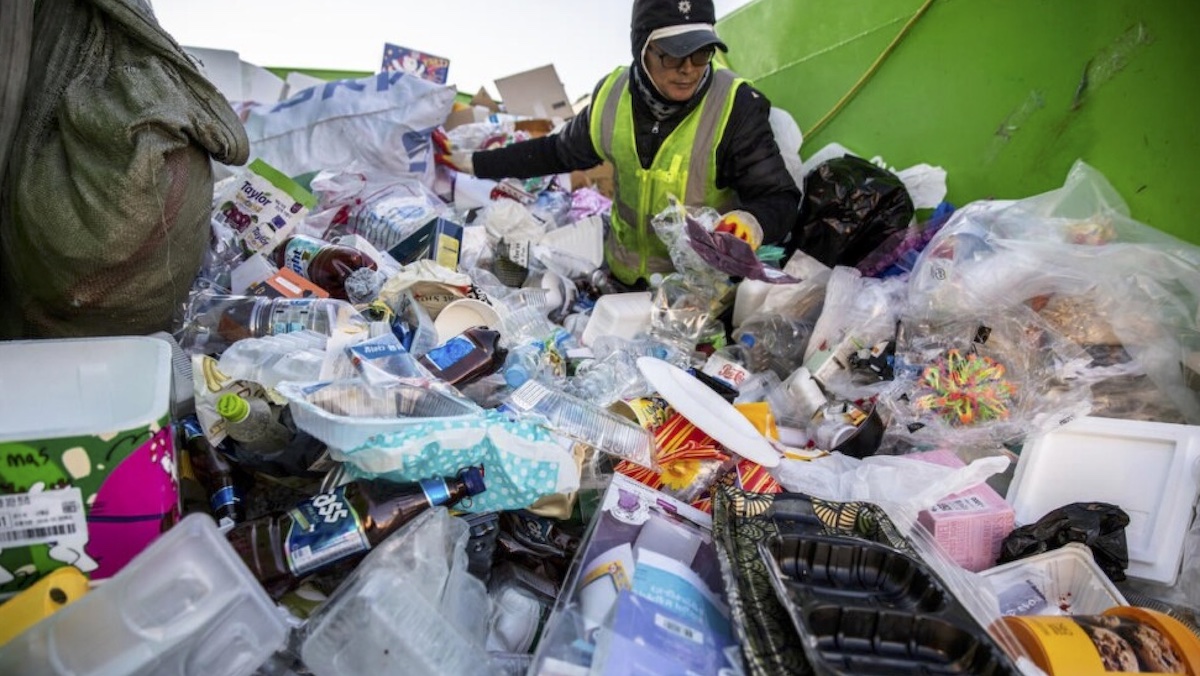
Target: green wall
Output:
[{"x": 991, "y": 90}]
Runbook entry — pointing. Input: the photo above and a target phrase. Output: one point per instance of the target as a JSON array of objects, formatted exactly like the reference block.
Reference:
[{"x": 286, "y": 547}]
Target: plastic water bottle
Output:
[
  {"x": 582, "y": 420},
  {"x": 253, "y": 424},
  {"x": 271, "y": 360},
  {"x": 604, "y": 381},
  {"x": 216, "y": 321}
]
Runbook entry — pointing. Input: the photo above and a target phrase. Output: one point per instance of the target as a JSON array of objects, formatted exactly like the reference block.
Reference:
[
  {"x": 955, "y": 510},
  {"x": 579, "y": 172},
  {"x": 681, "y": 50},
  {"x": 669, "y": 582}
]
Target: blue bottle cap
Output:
[{"x": 473, "y": 478}]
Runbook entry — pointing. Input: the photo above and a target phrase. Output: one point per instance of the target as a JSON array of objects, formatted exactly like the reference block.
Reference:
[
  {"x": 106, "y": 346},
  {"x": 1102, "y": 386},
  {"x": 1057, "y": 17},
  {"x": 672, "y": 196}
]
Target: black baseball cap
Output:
[{"x": 684, "y": 26}]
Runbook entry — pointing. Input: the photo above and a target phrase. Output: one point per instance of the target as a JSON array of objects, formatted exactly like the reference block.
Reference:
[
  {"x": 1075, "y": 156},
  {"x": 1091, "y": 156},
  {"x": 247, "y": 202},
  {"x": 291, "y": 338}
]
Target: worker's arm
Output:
[
  {"x": 569, "y": 150},
  {"x": 748, "y": 160}
]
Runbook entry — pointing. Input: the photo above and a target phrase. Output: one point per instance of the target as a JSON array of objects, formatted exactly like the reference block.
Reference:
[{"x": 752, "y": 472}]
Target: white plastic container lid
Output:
[
  {"x": 54, "y": 388},
  {"x": 619, "y": 314},
  {"x": 1148, "y": 469}
]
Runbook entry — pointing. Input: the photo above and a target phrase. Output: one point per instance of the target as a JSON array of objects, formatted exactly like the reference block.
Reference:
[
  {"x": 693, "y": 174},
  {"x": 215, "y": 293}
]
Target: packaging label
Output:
[
  {"x": 263, "y": 207},
  {"x": 324, "y": 529},
  {"x": 966, "y": 503},
  {"x": 450, "y": 353},
  {"x": 40, "y": 518},
  {"x": 299, "y": 253}
]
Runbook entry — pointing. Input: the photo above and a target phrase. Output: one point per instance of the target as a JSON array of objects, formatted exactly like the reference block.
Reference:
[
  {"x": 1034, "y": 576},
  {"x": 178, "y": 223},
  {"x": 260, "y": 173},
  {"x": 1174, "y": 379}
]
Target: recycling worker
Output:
[{"x": 673, "y": 123}]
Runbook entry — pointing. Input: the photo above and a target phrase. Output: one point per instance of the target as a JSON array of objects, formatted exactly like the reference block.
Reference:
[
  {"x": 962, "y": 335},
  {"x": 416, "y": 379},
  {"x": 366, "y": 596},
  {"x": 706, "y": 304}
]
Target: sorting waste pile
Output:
[{"x": 406, "y": 422}]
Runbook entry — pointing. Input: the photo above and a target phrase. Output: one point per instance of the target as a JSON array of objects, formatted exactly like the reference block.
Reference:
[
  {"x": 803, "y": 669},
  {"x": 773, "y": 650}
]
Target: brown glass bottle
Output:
[
  {"x": 470, "y": 355},
  {"x": 323, "y": 263},
  {"x": 212, "y": 471},
  {"x": 280, "y": 549}
]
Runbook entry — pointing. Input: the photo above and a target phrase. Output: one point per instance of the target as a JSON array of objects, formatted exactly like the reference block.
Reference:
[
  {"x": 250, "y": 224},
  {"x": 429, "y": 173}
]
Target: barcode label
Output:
[
  {"x": 304, "y": 559},
  {"x": 42, "y": 518},
  {"x": 37, "y": 533},
  {"x": 969, "y": 503},
  {"x": 679, "y": 629}
]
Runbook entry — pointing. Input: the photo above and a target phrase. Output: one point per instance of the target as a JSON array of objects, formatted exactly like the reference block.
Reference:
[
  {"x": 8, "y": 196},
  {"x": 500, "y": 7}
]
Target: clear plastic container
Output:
[
  {"x": 185, "y": 605},
  {"x": 410, "y": 607},
  {"x": 583, "y": 421},
  {"x": 1064, "y": 581},
  {"x": 346, "y": 413}
]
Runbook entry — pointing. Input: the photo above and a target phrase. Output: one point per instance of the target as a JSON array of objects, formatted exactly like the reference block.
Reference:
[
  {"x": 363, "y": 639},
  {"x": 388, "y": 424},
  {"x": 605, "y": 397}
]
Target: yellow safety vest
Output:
[{"x": 685, "y": 166}]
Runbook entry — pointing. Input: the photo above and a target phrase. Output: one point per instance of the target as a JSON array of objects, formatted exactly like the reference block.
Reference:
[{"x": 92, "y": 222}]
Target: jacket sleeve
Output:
[
  {"x": 750, "y": 163},
  {"x": 569, "y": 150}
]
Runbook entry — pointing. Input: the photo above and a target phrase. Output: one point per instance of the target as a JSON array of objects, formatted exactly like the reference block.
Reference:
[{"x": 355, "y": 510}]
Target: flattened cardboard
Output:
[{"x": 535, "y": 93}]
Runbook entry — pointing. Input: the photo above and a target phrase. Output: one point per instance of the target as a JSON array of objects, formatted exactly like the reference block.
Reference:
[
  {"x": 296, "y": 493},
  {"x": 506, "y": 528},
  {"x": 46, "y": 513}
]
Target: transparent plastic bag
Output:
[
  {"x": 990, "y": 380},
  {"x": 1074, "y": 245}
]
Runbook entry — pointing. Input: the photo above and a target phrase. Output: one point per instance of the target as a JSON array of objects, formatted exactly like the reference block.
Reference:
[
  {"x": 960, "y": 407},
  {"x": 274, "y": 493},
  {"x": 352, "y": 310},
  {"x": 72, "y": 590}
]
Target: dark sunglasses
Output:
[{"x": 700, "y": 57}]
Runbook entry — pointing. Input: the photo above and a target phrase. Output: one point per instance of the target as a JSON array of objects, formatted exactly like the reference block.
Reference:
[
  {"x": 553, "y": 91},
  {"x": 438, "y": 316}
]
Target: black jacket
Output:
[{"x": 748, "y": 159}]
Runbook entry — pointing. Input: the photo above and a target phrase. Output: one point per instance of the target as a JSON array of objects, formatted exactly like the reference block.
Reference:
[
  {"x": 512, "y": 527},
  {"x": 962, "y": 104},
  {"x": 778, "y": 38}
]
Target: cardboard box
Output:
[
  {"x": 438, "y": 240},
  {"x": 535, "y": 93},
  {"x": 969, "y": 525}
]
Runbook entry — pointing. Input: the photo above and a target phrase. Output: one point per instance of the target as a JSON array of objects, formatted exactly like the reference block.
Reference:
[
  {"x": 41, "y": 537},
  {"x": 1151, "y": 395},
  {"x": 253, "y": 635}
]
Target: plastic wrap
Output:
[
  {"x": 1115, "y": 286},
  {"x": 990, "y": 380}
]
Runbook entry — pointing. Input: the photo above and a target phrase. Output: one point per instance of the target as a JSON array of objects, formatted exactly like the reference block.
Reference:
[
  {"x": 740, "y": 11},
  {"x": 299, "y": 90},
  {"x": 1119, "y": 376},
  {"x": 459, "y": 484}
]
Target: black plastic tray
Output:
[{"x": 863, "y": 607}]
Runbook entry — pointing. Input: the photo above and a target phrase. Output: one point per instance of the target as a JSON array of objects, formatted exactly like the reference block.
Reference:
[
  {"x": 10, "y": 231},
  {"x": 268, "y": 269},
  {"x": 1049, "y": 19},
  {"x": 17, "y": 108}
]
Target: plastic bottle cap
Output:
[
  {"x": 233, "y": 408},
  {"x": 473, "y": 478}
]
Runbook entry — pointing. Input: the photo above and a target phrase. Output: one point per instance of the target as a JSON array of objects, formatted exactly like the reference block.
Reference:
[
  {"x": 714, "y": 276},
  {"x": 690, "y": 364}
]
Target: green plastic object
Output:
[
  {"x": 233, "y": 408},
  {"x": 1004, "y": 95}
]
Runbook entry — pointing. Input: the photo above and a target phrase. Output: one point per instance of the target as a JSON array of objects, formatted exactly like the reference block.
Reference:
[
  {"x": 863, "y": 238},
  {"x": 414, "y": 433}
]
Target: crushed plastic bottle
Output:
[{"x": 271, "y": 360}]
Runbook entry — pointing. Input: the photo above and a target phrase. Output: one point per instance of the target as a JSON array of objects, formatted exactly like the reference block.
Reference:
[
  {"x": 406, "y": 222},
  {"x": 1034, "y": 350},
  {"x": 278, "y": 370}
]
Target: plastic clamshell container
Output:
[
  {"x": 1064, "y": 581},
  {"x": 1151, "y": 470},
  {"x": 862, "y": 607},
  {"x": 86, "y": 420},
  {"x": 618, "y": 314},
  {"x": 344, "y": 413},
  {"x": 185, "y": 605}
]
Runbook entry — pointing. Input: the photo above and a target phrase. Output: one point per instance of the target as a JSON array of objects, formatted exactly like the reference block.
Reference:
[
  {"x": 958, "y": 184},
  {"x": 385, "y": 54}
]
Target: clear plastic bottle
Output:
[
  {"x": 217, "y": 320},
  {"x": 271, "y": 360},
  {"x": 582, "y": 420},
  {"x": 605, "y": 381},
  {"x": 323, "y": 263},
  {"x": 253, "y": 424}
]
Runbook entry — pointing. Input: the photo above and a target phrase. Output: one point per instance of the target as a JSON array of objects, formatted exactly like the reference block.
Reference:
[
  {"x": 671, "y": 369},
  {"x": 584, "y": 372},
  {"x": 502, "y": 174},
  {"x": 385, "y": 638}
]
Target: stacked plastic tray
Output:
[{"x": 862, "y": 607}]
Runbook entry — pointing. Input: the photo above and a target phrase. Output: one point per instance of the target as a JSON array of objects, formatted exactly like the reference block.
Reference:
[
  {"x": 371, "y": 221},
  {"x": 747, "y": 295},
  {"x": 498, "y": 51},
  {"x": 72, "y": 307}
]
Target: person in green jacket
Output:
[{"x": 671, "y": 123}]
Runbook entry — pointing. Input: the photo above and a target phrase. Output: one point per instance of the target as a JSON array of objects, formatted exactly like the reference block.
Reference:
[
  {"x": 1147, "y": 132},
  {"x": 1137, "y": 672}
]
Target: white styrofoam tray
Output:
[{"x": 1151, "y": 470}]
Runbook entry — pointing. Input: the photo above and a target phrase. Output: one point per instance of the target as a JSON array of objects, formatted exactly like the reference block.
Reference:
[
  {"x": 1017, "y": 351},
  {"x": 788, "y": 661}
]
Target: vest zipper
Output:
[{"x": 654, "y": 129}]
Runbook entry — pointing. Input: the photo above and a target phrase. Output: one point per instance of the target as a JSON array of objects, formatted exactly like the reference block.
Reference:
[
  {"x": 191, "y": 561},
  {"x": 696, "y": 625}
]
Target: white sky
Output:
[{"x": 484, "y": 39}]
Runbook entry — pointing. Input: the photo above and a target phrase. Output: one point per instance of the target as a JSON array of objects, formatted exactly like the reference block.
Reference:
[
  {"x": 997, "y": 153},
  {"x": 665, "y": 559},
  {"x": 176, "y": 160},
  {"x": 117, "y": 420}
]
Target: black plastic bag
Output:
[
  {"x": 850, "y": 207},
  {"x": 1099, "y": 525}
]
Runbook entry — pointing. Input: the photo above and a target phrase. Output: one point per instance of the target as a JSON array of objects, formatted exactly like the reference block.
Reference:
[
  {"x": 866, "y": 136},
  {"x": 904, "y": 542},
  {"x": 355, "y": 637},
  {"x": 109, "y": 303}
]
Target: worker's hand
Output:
[{"x": 447, "y": 154}]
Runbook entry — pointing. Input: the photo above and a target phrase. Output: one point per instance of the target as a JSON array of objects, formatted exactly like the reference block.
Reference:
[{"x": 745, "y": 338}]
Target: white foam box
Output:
[
  {"x": 1150, "y": 470},
  {"x": 1063, "y": 581},
  {"x": 970, "y": 525},
  {"x": 619, "y": 314}
]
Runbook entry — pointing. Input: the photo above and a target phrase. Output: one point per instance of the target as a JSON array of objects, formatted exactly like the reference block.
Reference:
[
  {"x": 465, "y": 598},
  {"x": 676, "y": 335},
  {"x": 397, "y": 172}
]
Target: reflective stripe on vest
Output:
[{"x": 685, "y": 164}]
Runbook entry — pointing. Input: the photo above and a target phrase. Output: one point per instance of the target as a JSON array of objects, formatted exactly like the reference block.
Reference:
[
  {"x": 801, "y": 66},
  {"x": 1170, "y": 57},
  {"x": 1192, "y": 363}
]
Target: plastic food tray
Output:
[
  {"x": 863, "y": 607},
  {"x": 1148, "y": 469},
  {"x": 1064, "y": 581}
]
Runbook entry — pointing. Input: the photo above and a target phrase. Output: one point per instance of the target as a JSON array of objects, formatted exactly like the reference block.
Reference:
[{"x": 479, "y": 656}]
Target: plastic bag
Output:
[
  {"x": 388, "y": 115},
  {"x": 986, "y": 380},
  {"x": 1098, "y": 525},
  {"x": 1116, "y": 285},
  {"x": 859, "y": 314},
  {"x": 849, "y": 207}
]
